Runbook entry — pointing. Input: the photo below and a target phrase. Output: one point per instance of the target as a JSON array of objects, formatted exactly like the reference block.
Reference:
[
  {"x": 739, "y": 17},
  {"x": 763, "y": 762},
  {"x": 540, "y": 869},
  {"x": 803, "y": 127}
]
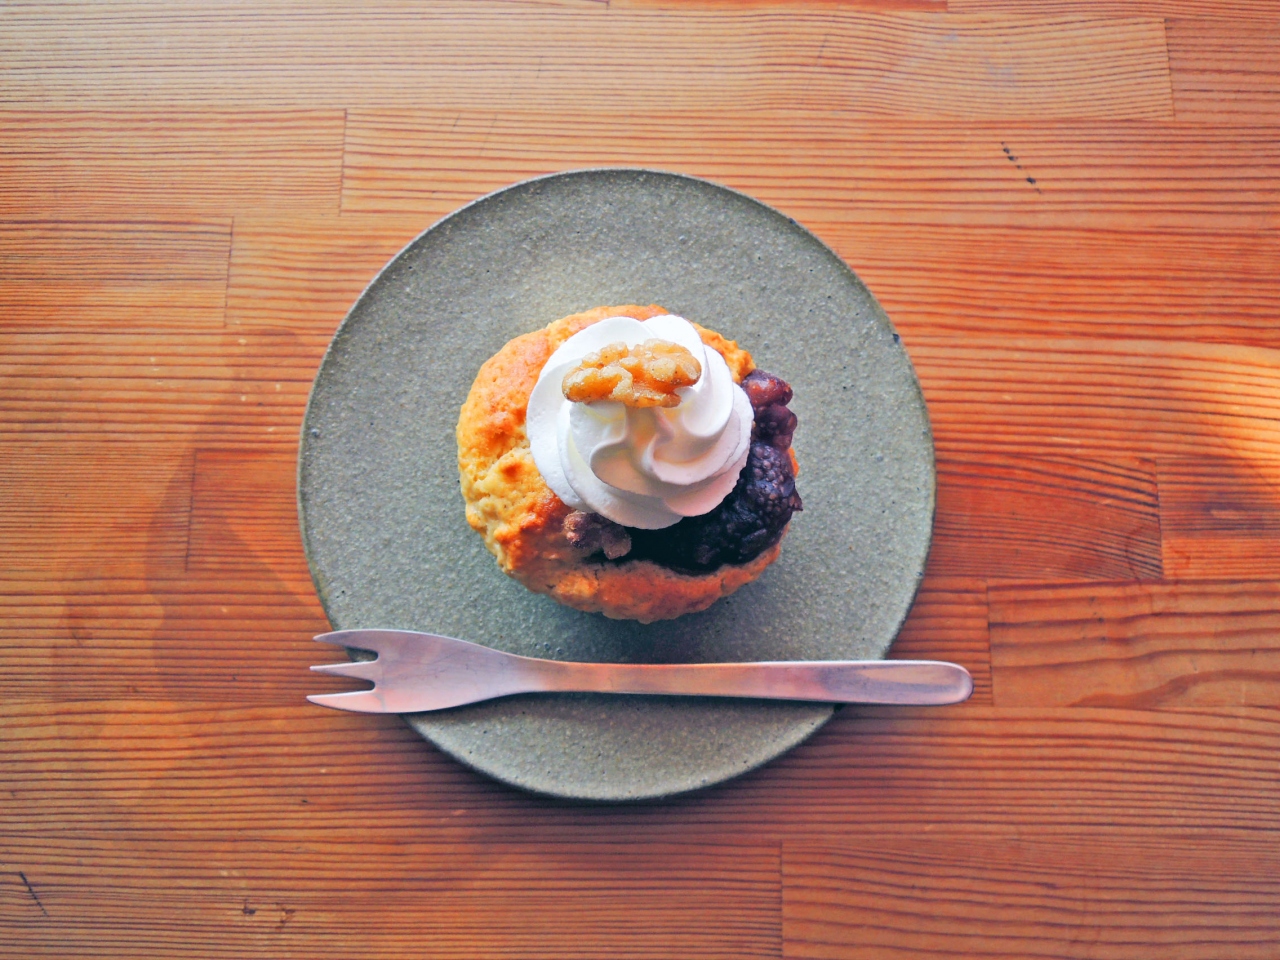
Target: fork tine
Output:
[
  {"x": 369, "y": 639},
  {"x": 382, "y": 642},
  {"x": 360, "y": 701},
  {"x": 361, "y": 669}
]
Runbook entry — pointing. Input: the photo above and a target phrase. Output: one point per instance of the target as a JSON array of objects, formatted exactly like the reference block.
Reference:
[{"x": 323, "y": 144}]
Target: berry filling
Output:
[{"x": 747, "y": 522}]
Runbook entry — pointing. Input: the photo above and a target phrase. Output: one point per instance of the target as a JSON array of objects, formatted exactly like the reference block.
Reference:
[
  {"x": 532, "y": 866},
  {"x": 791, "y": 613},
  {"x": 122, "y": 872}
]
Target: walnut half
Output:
[{"x": 647, "y": 375}]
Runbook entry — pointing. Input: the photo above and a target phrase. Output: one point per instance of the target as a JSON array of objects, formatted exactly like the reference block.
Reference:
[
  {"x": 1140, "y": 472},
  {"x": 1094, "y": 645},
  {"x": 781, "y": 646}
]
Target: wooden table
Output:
[{"x": 1068, "y": 207}]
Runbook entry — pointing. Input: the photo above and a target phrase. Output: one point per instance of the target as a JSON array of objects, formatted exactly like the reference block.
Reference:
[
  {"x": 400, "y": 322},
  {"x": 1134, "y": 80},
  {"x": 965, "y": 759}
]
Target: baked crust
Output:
[{"x": 522, "y": 520}]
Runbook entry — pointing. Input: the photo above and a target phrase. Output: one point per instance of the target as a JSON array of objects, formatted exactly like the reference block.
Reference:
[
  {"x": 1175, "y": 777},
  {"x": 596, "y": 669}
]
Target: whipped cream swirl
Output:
[{"x": 640, "y": 467}]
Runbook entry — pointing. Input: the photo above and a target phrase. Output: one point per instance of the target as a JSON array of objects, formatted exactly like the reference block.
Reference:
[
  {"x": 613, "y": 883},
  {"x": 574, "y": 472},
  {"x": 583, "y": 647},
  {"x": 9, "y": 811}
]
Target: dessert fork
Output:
[{"x": 423, "y": 671}]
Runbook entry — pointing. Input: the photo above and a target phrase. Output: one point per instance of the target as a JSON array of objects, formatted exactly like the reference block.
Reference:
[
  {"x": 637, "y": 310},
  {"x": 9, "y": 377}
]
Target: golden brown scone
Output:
[{"x": 521, "y": 520}]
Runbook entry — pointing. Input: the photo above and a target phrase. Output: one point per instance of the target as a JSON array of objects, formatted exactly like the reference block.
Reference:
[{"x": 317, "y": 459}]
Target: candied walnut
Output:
[
  {"x": 593, "y": 533},
  {"x": 647, "y": 375}
]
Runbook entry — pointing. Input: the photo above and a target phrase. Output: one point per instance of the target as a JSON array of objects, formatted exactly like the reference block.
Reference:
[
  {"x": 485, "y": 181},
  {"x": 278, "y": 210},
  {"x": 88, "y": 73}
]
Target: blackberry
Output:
[
  {"x": 764, "y": 389},
  {"x": 774, "y": 425}
]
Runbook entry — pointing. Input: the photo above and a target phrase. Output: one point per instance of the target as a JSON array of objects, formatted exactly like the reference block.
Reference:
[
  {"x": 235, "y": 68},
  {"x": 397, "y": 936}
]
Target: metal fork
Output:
[{"x": 423, "y": 671}]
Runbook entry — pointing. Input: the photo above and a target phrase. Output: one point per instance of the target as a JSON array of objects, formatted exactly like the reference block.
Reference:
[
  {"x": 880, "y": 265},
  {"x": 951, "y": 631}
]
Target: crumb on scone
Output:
[
  {"x": 524, "y": 523},
  {"x": 590, "y": 532}
]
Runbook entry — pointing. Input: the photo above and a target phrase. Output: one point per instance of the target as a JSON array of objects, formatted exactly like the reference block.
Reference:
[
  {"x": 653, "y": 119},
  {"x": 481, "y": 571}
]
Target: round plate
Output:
[{"x": 382, "y": 515}]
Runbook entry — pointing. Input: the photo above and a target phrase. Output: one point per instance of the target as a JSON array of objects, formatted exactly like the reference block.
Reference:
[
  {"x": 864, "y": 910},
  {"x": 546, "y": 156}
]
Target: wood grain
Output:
[
  {"x": 138, "y": 250},
  {"x": 446, "y": 56},
  {"x": 167, "y": 387},
  {"x": 1040, "y": 518},
  {"x": 1086, "y": 895},
  {"x": 77, "y": 506},
  {"x": 174, "y": 162},
  {"x": 876, "y": 6},
  {"x": 1136, "y": 645},
  {"x": 114, "y": 275},
  {"x": 1220, "y": 519},
  {"x": 1262, "y": 10},
  {"x": 1149, "y": 398},
  {"x": 831, "y": 168},
  {"x": 145, "y": 570},
  {"x": 1225, "y": 71},
  {"x": 298, "y": 772},
  {"x": 244, "y": 512},
  {"x": 98, "y": 632},
  {"x": 304, "y": 273},
  {"x": 272, "y": 899},
  {"x": 1208, "y": 285}
]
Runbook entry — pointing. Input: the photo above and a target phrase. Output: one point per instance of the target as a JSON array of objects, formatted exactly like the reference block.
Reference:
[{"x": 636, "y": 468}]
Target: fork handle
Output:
[{"x": 915, "y": 682}]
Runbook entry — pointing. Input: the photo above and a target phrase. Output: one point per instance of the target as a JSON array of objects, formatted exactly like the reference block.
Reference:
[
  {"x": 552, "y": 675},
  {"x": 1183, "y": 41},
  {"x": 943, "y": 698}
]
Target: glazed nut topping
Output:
[{"x": 647, "y": 375}]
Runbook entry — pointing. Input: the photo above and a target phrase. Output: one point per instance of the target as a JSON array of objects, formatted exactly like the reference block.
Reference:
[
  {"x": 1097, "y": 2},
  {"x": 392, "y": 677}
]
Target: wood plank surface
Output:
[
  {"x": 74, "y": 162},
  {"x": 669, "y": 6},
  {"x": 447, "y": 56},
  {"x": 1220, "y": 518},
  {"x": 78, "y": 505},
  {"x": 139, "y": 250},
  {"x": 167, "y": 387},
  {"x": 1225, "y": 71},
  {"x": 1136, "y": 645},
  {"x": 100, "y": 633},
  {"x": 1145, "y": 398},
  {"x": 1208, "y": 285},
  {"x": 1259, "y": 10},
  {"x": 828, "y": 168},
  {"x": 1069, "y": 209},
  {"x": 274, "y": 898},
  {"x": 1081, "y": 896},
  {"x": 113, "y": 275},
  {"x": 296, "y": 772},
  {"x": 1046, "y": 519},
  {"x": 304, "y": 273},
  {"x": 244, "y": 512}
]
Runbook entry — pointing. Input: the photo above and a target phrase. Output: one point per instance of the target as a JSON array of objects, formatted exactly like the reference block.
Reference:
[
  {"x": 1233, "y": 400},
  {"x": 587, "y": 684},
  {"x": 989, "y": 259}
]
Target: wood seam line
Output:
[{"x": 1168, "y": 70}]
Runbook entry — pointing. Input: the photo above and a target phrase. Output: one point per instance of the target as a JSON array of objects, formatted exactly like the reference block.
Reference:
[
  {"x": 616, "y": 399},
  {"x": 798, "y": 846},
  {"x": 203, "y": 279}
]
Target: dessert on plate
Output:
[{"x": 628, "y": 462}]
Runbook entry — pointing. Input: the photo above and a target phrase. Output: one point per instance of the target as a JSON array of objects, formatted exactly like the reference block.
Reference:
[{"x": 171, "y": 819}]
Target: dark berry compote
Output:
[{"x": 748, "y": 521}]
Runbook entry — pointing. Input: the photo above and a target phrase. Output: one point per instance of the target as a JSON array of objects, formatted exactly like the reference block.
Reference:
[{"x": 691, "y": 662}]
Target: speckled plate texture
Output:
[{"x": 382, "y": 515}]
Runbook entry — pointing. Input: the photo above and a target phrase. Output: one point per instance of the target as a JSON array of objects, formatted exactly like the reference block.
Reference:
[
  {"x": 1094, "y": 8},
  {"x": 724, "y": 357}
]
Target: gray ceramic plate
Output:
[{"x": 382, "y": 517}]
